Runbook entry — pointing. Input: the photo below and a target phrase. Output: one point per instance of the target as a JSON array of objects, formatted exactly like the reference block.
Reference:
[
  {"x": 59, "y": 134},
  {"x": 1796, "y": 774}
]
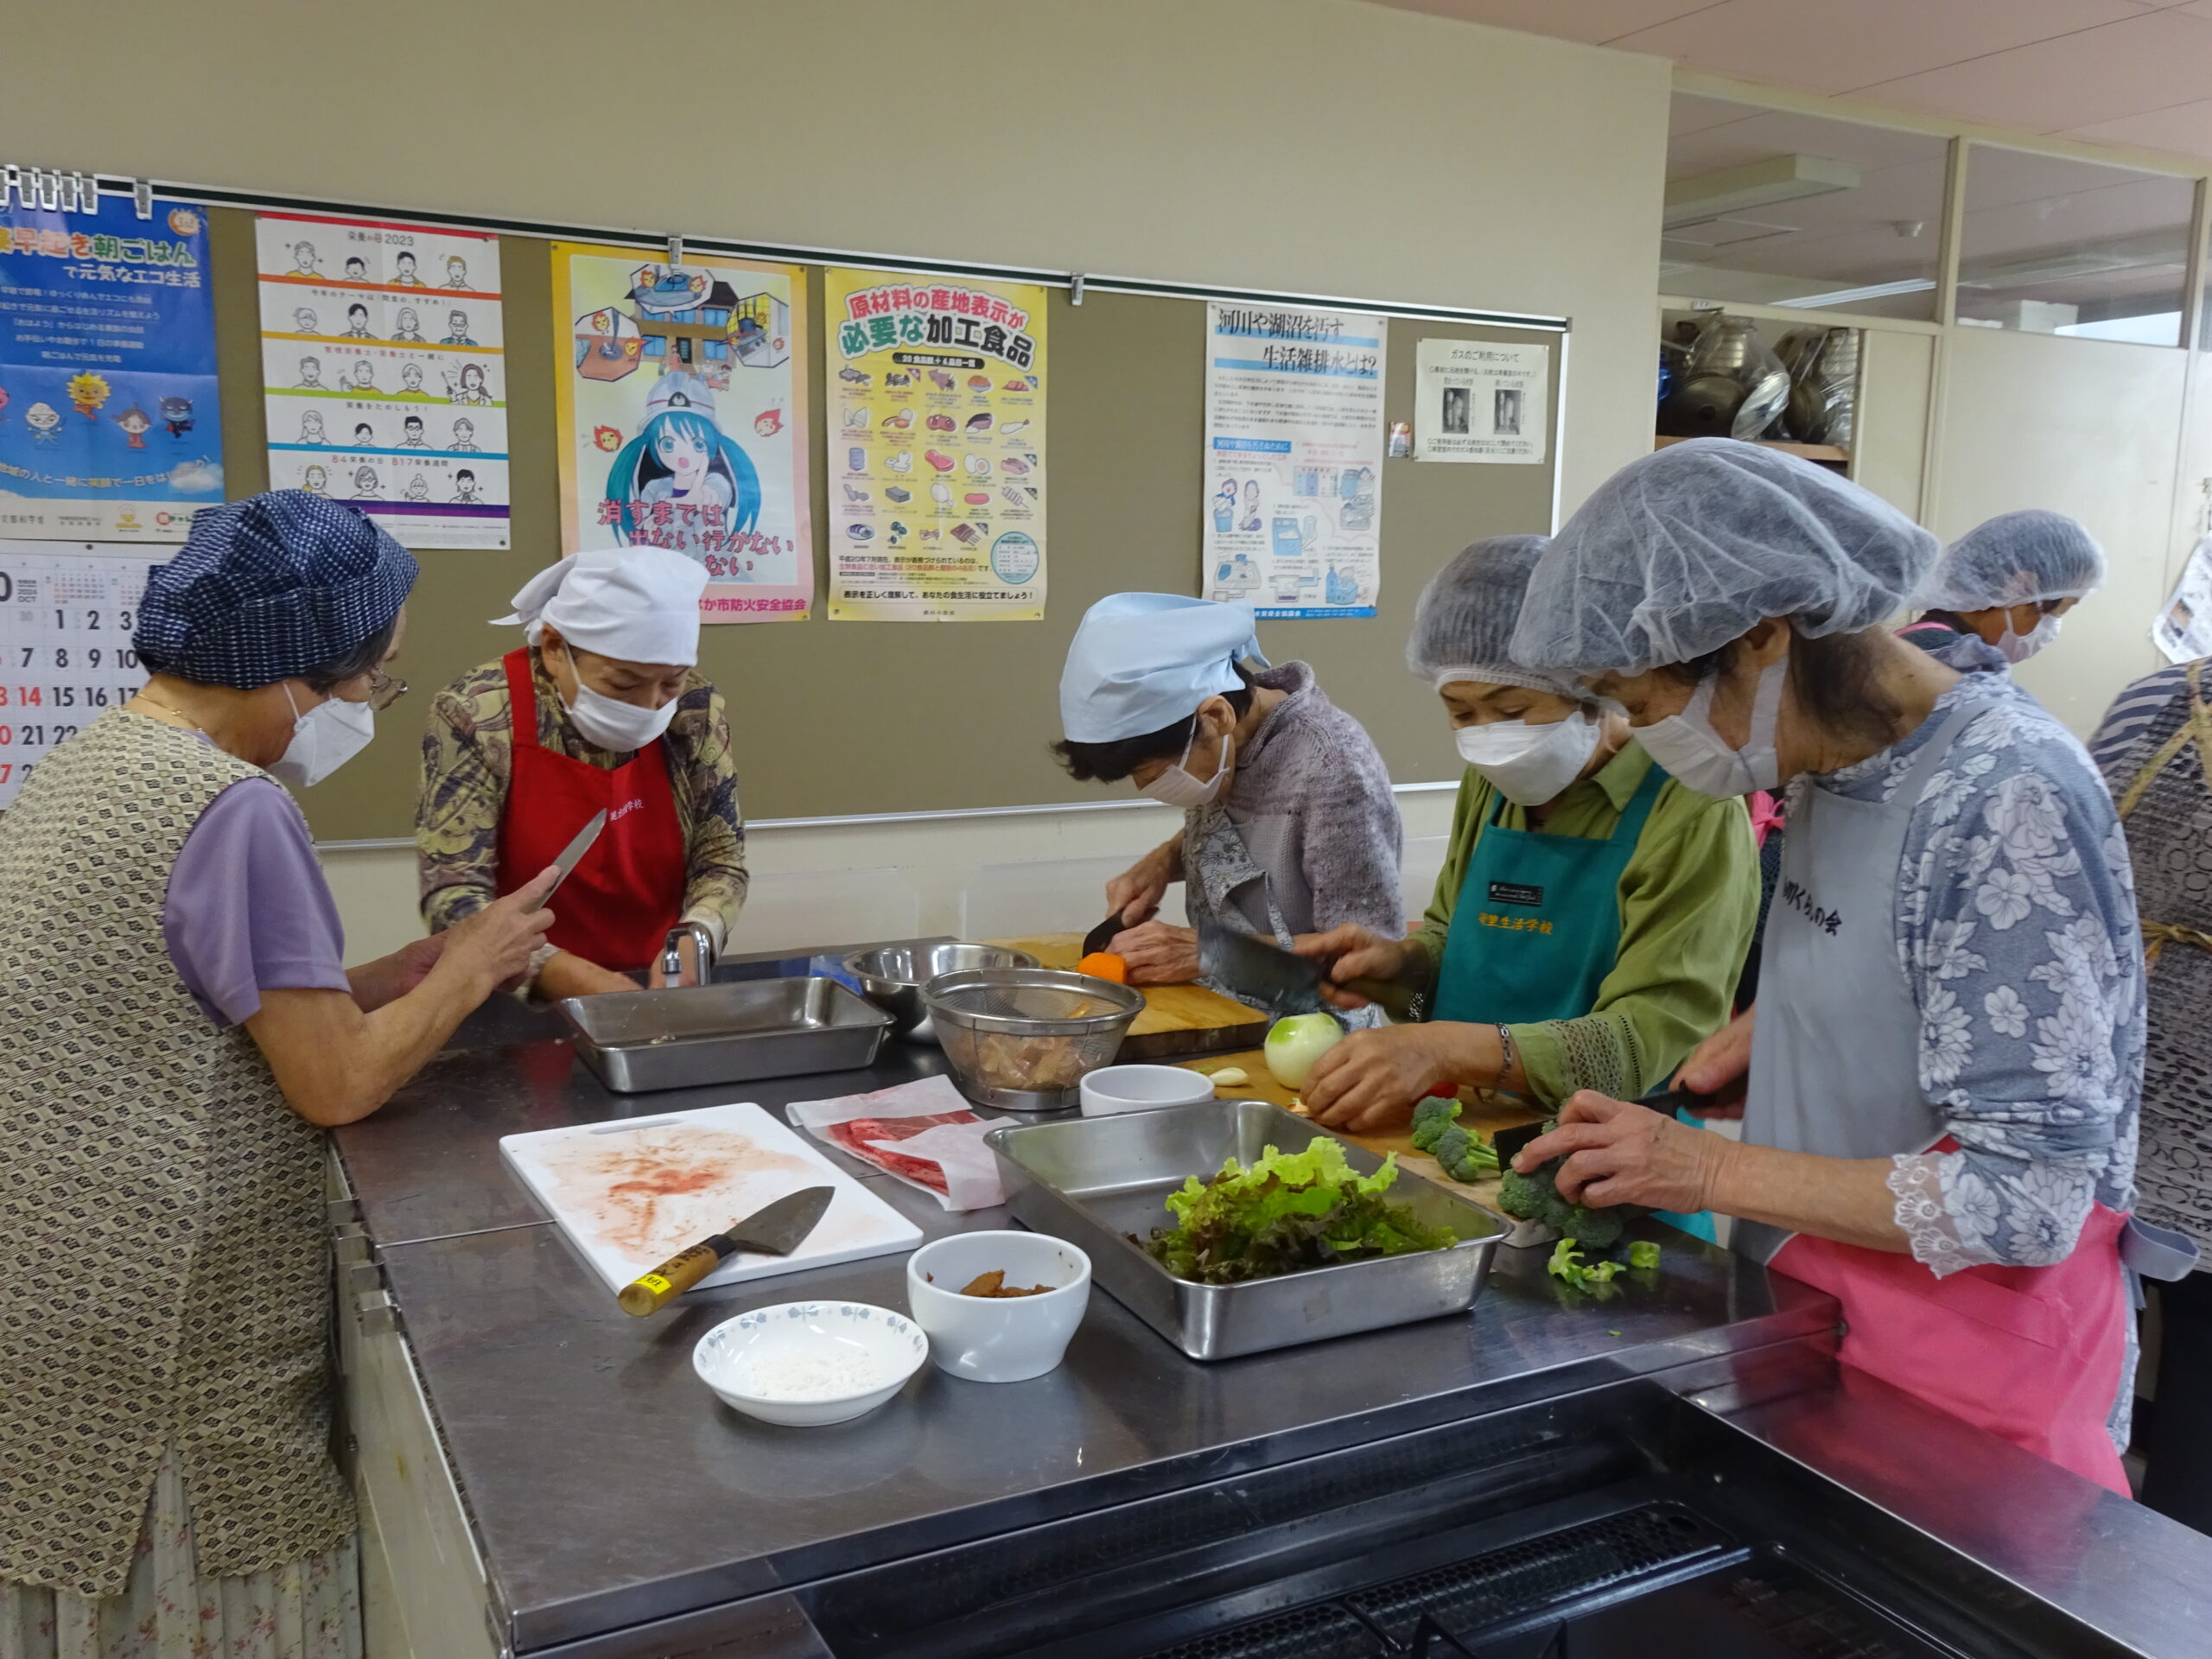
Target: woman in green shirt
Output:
[{"x": 1593, "y": 914}]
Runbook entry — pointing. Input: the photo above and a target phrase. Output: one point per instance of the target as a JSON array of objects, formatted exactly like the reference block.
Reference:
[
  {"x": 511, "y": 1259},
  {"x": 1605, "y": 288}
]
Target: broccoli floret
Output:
[
  {"x": 1643, "y": 1254},
  {"x": 1431, "y": 1118},
  {"x": 1534, "y": 1197},
  {"x": 1464, "y": 1157}
]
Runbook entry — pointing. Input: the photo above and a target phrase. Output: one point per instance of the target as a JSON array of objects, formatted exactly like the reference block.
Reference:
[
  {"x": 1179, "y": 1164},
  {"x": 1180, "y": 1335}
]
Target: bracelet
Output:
[{"x": 1505, "y": 1051}]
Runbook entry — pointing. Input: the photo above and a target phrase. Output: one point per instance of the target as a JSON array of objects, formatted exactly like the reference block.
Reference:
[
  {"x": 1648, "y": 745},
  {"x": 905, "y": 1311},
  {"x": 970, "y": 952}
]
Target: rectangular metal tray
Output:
[
  {"x": 641, "y": 1040},
  {"x": 1096, "y": 1180}
]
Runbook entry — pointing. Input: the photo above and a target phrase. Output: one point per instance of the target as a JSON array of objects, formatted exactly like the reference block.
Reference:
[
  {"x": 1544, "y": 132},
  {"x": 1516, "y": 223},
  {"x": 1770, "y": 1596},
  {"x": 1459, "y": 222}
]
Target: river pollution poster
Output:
[
  {"x": 383, "y": 373},
  {"x": 1480, "y": 400},
  {"x": 937, "y": 449},
  {"x": 1294, "y": 459},
  {"x": 680, "y": 395},
  {"x": 109, "y": 427}
]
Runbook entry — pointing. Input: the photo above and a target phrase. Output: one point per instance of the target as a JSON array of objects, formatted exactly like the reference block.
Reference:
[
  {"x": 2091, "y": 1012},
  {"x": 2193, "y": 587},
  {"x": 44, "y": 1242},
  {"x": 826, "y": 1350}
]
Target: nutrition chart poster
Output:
[
  {"x": 383, "y": 373},
  {"x": 937, "y": 449},
  {"x": 65, "y": 617},
  {"x": 1294, "y": 459}
]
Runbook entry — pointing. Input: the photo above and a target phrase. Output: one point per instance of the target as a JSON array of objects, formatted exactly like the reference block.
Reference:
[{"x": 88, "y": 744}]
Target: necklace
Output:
[{"x": 147, "y": 697}]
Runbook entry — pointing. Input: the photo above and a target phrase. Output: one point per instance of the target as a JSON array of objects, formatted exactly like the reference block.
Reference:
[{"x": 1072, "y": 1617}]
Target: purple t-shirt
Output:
[{"x": 247, "y": 910}]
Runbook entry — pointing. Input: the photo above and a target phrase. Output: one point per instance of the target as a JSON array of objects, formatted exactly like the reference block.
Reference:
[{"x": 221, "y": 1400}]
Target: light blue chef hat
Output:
[{"x": 1140, "y": 662}]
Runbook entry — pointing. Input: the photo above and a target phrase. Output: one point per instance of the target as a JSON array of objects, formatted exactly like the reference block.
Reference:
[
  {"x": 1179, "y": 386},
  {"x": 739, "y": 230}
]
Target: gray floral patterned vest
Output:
[{"x": 164, "y": 1277}]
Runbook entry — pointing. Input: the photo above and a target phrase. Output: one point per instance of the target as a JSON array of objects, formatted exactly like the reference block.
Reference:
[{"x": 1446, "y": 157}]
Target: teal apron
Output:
[{"x": 1537, "y": 927}]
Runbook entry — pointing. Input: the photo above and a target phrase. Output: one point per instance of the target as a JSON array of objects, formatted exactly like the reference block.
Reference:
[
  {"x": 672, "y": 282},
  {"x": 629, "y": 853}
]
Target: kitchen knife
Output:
[
  {"x": 777, "y": 1229},
  {"x": 1104, "y": 934},
  {"x": 573, "y": 854},
  {"x": 1270, "y": 975}
]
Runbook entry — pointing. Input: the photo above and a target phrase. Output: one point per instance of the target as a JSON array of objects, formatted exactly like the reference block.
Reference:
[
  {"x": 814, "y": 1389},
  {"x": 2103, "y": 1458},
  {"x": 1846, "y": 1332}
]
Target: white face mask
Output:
[
  {"x": 1176, "y": 787},
  {"x": 323, "y": 740},
  {"x": 1529, "y": 765},
  {"x": 619, "y": 726},
  {"x": 1693, "y": 752},
  {"x": 2018, "y": 648}
]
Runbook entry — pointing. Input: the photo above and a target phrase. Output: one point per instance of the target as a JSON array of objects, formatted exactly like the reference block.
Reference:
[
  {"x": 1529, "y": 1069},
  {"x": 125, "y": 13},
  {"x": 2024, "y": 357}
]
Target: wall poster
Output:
[
  {"x": 109, "y": 427},
  {"x": 383, "y": 373},
  {"x": 937, "y": 443},
  {"x": 66, "y": 612},
  {"x": 1480, "y": 400},
  {"x": 1294, "y": 459},
  {"x": 2184, "y": 629},
  {"x": 681, "y": 406}
]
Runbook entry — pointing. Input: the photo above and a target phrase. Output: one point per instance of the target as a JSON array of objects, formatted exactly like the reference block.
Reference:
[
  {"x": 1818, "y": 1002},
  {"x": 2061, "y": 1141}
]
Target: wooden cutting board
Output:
[
  {"x": 1177, "y": 1020},
  {"x": 1481, "y": 1111},
  {"x": 632, "y": 1193}
]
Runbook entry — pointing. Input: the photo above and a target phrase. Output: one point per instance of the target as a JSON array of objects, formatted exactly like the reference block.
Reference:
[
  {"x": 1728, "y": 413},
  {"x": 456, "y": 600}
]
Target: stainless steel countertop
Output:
[{"x": 608, "y": 1487}]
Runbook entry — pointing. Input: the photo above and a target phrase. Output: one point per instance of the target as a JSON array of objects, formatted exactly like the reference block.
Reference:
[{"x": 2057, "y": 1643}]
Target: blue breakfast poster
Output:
[{"x": 109, "y": 427}]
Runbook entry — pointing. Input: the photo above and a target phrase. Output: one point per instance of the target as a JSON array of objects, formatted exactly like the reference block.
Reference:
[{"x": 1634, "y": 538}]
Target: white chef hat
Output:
[
  {"x": 1140, "y": 662},
  {"x": 639, "y": 604}
]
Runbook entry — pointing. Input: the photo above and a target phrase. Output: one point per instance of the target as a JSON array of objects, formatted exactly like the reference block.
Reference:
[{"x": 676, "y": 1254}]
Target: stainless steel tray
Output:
[
  {"x": 1096, "y": 1180},
  {"x": 641, "y": 1040}
]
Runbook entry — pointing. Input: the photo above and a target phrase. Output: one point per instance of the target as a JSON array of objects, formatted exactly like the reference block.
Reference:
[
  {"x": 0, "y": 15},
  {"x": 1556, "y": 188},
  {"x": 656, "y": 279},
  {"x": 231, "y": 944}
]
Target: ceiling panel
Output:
[
  {"x": 2145, "y": 63},
  {"x": 2185, "y": 128},
  {"x": 1592, "y": 21}
]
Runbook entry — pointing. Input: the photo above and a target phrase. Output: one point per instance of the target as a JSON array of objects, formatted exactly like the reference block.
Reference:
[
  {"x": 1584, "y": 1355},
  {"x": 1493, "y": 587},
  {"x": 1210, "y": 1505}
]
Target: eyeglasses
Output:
[{"x": 385, "y": 689}]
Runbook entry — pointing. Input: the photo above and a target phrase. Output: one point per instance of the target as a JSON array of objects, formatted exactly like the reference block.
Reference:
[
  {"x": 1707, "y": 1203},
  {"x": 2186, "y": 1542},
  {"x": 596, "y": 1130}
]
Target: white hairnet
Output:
[
  {"x": 1683, "y": 551},
  {"x": 2016, "y": 558},
  {"x": 1464, "y": 618},
  {"x": 639, "y": 604},
  {"x": 1140, "y": 662}
]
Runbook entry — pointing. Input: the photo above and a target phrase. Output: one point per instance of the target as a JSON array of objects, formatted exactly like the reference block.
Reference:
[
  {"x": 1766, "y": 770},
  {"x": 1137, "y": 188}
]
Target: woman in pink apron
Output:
[{"x": 1939, "y": 1124}]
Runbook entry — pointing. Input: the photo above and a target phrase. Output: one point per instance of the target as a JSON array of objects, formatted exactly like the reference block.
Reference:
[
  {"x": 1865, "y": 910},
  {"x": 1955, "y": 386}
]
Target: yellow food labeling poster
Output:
[
  {"x": 937, "y": 449},
  {"x": 680, "y": 397}
]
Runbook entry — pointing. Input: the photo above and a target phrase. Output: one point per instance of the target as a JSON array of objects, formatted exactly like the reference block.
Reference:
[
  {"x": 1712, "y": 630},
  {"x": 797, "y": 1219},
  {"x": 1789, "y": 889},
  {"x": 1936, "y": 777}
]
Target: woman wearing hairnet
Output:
[
  {"x": 1940, "y": 1123},
  {"x": 2006, "y": 583},
  {"x": 1593, "y": 914},
  {"x": 1288, "y": 821}
]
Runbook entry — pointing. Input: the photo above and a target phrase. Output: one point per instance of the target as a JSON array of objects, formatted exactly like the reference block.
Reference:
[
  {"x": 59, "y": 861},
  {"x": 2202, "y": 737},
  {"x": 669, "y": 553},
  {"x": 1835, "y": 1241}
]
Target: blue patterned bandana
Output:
[{"x": 268, "y": 588}]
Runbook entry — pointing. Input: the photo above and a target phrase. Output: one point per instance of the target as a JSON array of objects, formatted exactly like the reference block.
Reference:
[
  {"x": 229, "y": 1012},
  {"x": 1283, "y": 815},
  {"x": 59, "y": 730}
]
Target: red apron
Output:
[{"x": 618, "y": 904}]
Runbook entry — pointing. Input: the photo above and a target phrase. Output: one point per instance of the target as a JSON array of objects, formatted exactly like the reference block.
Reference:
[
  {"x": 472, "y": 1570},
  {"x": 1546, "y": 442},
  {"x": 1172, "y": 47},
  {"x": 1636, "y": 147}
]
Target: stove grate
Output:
[{"x": 1322, "y": 1632}]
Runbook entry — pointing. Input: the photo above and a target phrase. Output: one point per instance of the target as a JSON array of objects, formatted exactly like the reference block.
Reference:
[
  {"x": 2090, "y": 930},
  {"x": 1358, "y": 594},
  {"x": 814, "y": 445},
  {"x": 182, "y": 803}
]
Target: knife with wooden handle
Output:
[{"x": 777, "y": 1229}]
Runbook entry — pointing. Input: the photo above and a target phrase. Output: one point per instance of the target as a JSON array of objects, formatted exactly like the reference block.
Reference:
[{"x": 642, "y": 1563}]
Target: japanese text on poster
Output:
[
  {"x": 936, "y": 440},
  {"x": 66, "y": 616},
  {"x": 1293, "y": 460},
  {"x": 109, "y": 422},
  {"x": 681, "y": 402},
  {"x": 1480, "y": 400},
  {"x": 383, "y": 373},
  {"x": 2183, "y": 630}
]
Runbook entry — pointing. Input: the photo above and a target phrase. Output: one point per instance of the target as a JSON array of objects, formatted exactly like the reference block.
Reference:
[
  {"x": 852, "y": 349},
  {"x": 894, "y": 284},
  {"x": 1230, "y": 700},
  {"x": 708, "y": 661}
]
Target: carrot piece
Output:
[{"x": 1105, "y": 964}]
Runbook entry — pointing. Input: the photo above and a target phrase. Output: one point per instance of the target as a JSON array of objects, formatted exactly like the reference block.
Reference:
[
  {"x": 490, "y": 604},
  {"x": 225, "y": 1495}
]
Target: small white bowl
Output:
[
  {"x": 998, "y": 1338},
  {"x": 825, "y": 1331},
  {"x": 1142, "y": 1089}
]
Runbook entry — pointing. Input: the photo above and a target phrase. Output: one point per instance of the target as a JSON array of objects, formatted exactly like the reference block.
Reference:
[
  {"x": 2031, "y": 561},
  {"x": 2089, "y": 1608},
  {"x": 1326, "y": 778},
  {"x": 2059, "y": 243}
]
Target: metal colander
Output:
[{"x": 1023, "y": 1039}]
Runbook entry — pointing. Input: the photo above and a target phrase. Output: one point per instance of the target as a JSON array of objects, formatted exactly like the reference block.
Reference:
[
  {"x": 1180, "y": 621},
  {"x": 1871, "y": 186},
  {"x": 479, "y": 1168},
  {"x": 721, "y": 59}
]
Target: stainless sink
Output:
[{"x": 642, "y": 1040}]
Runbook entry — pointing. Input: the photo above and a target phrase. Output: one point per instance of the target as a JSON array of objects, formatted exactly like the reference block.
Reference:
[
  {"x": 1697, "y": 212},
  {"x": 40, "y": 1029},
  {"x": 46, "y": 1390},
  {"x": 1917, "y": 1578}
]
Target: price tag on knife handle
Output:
[{"x": 649, "y": 1293}]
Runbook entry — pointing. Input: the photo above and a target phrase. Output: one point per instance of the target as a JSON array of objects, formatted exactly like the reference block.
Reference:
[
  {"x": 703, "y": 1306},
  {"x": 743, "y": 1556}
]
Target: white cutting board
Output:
[{"x": 631, "y": 1193}]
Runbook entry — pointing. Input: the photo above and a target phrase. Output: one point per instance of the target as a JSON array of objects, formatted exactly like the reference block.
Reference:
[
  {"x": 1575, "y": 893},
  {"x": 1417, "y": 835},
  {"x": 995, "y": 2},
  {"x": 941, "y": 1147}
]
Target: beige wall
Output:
[{"x": 1315, "y": 146}]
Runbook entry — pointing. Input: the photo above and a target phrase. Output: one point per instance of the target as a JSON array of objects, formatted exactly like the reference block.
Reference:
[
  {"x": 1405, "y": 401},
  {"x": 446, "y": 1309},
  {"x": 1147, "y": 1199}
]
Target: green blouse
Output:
[{"x": 1689, "y": 900}]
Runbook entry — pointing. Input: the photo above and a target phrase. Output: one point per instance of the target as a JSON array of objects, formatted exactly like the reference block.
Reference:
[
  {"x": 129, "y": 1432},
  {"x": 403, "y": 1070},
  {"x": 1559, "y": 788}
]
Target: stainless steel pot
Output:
[{"x": 891, "y": 977}]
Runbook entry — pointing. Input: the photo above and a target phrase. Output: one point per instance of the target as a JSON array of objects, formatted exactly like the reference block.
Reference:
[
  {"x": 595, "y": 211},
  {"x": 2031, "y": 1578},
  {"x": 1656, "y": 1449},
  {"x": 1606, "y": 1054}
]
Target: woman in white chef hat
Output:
[
  {"x": 602, "y": 708},
  {"x": 1289, "y": 826}
]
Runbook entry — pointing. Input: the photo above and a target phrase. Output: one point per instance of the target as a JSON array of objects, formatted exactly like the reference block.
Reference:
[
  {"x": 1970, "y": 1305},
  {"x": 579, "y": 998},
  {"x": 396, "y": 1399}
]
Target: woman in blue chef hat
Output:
[{"x": 1289, "y": 826}]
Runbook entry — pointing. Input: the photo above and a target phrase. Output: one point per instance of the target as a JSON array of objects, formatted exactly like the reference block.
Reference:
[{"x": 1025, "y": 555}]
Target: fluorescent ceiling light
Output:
[
  {"x": 1871, "y": 292},
  {"x": 1757, "y": 184}
]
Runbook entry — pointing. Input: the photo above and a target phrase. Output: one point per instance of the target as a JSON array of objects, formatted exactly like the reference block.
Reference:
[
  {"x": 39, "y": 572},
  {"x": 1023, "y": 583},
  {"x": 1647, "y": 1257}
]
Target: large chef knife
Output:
[
  {"x": 573, "y": 854},
  {"x": 777, "y": 1229},
  {"x": 1104, "y": 934},
  {"x": 1278, "y": 979}
]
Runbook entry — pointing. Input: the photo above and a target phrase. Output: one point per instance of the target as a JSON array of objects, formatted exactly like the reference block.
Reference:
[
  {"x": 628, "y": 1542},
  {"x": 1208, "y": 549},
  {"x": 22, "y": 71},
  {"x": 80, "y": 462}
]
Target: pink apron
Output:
[{"x": 2032, "y": 1354}]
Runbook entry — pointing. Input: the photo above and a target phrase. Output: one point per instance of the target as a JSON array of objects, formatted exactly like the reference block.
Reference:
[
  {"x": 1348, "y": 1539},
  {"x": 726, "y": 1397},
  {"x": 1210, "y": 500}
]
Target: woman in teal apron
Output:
[{"x": 1593, "y": 914}]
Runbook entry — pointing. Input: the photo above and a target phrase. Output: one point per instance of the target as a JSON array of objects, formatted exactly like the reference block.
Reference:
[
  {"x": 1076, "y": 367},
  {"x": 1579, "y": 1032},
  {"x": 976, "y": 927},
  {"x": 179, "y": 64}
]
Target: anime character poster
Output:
[
  {"x": 109, "y": 427},
  {"x": 938, "y": 442},
  {"x": 383, "y": 373},
  {"x": 681, "y": 394},
  {"x": 1294, "y": 459}
]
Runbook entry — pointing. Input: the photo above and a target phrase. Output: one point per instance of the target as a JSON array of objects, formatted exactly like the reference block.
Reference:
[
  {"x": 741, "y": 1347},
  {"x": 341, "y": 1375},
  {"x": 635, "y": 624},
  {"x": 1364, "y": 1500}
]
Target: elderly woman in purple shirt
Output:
[{"x": 180, "y": 1028}]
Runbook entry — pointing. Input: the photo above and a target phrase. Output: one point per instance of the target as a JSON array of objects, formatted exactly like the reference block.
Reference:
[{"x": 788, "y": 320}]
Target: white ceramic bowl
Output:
[
  {"x": 813, "y": 1331},
  {"x": 1142, "y": 1089},
  {"x": 995, "y": 1338}
]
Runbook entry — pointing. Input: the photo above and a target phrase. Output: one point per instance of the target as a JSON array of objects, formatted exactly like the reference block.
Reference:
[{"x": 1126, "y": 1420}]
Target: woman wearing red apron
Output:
[
  {"x": 1940, "y": 1123},
  {"x": 602, "y": 710}
]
